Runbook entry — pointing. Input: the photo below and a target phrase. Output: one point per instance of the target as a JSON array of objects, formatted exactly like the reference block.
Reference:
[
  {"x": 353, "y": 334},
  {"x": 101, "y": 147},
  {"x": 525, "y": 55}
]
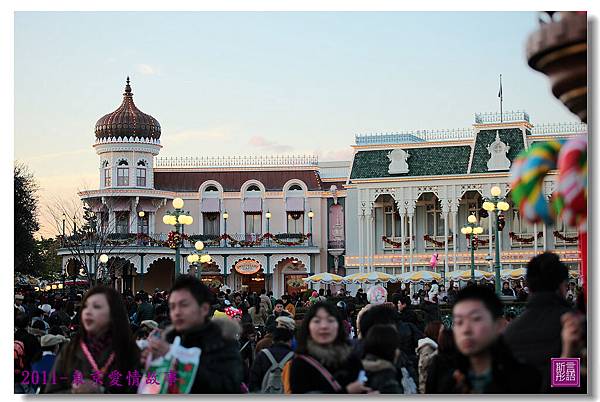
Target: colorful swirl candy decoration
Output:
[
  {"x": 377, "y": 294},
  {"x": 572, "y": 180},
  {"x": 527, "y": 180}
]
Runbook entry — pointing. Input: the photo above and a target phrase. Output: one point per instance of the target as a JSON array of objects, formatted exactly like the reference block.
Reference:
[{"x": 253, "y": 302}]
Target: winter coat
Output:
[
  {"x": 382, "y": 375},
  {"x": 409, "y": 335},
  {"x": 535, "y": 336},
  {"x": 64, "y": 368},
  {"x": 339, "y": 360},
  {"x": 426, "y": 350},
  {"x": 33, "y": 350},
  {"x": 260, "y": 318},
  {"x": 408, "y": 315},
  {"x": 441, "y": 366},
  {"x": 145, "y": 311},
  {"x": 266, "y": 302},
  {"x": 265, "y": 343},
  {"x": 221, "y": 370},
  {"x": 290, "y": 309},
  {"x": 262, "y": 364},
  {"x": 508, "y": 375}
]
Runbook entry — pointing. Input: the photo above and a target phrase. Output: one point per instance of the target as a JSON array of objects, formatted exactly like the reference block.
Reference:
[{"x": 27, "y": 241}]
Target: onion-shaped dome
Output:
[{"x": 127, "y": 121}]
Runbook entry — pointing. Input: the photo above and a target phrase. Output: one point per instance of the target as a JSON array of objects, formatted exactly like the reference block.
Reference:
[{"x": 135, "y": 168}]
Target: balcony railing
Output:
[
  {"x": 506, "y": 117},
  {"x": 165, "y": 240},
  {"x": 560, "y": 128},
  {"x": 237, "y": 161},
  {"x": 333, "y": 244},
  {"x": 415, "y": 136}
]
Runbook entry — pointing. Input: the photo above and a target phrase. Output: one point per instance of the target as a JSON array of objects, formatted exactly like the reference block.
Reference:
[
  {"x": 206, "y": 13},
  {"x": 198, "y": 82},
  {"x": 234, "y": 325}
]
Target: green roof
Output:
[
  {"x": 513, "y": 137},
  {"x": 432, "y": 161}
]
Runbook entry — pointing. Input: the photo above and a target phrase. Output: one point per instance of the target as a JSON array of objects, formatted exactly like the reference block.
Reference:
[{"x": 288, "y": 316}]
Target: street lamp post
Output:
[
  {"x": 268, "y": 216},
  {"x": 494, "y": 204},
  {"x": 471, "y": 230},
  {"x": 225, "y": 217},
  {"x": 64, "y": 219},
  {"x": 177, "y": 218},
  {"x": 194, "y": 258},
  {"x": 103, "y": 261},
  {"x": 311, "y": 215}
]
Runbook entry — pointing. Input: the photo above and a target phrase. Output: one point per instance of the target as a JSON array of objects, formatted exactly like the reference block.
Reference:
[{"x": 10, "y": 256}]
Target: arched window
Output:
[
  {"x": 141, "y": 174},
  {"x": 295, "y": 187},
  {"x": 253, "y": 187},
  {"x": 107, "y": 174},
  {"x": 211, "y": 189},
  {"x": 122, "y": 173}
]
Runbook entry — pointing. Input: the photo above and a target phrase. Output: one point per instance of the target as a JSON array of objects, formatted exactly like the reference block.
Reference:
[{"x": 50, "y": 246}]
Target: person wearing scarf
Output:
[
  {"x": 324, "y": 362},
  {"x": 102, "y": 357}
]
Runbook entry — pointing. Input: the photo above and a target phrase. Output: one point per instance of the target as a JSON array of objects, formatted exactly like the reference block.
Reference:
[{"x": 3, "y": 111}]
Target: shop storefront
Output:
[{"x": 248, "y": 275}]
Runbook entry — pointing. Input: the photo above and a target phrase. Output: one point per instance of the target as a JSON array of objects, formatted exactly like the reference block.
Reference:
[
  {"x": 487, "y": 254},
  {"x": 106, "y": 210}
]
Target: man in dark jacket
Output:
[
  {"x": 406, "y": 312},
  {"x": 145, "y": 310},
  {"x": 535, "y": 336},
  {"x": 484, "y": 364},
  {"x": 220, "y": 370},
  {"x": 282, "y": 347},
  {"x": 278, "y": 311}
]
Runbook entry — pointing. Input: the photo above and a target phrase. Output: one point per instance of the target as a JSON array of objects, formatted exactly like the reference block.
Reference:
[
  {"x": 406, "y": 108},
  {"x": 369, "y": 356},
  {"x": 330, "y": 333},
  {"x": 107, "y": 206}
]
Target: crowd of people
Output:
[{"x": 318, "y": 342}]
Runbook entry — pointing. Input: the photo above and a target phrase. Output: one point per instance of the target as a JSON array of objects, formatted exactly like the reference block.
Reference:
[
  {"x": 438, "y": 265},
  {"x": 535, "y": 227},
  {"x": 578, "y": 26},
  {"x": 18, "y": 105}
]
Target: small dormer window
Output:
[{"x": 122, "y": 173}]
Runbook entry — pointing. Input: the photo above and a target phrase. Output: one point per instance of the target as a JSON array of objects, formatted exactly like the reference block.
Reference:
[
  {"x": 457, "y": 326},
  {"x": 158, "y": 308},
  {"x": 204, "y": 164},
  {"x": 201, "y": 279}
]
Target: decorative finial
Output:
[{"x": 127, "y": 88}]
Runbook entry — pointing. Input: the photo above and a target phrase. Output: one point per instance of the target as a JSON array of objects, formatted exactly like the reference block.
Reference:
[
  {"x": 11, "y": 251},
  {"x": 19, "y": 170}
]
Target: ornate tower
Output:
[{"x": 126, "y": 142}]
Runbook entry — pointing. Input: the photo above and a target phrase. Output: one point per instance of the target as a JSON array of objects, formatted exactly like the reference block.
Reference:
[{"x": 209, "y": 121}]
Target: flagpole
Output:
[{"x": 500, "y": 95}]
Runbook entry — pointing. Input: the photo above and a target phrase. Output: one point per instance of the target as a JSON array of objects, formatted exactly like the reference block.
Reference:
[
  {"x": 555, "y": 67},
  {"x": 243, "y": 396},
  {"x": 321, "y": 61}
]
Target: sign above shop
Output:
[{"x": 247, "y": 267}]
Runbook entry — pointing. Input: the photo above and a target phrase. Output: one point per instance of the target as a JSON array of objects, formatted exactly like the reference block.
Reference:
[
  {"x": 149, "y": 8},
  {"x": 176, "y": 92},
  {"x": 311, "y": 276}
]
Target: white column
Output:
[
  {"x": 373, "y": 242},
  {"x": 454, "y": 210},
  {"x": 445, "y": 210},
  {"x": 491, "y": 232},
  {"x": 151, "y": 222},
  {"x": 410, "y": 238},
  {"x": 535, "y": 243},
  {"x": 200, "y": 220},
  {"x": 360, "y": 242},
  {"x": 242, "y": 220},
  {"x": 112, "y": 222},
  {"x": 545, "y": 240},
  {"x": 306, "y": 219},
  {"x": 367, "y": 229},
  {"x": 402, "y": 235}
]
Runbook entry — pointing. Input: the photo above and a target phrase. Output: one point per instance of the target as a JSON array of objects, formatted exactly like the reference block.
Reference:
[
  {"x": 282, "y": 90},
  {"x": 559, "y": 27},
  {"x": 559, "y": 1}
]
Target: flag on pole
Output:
[{"x": 500, "y": 91}]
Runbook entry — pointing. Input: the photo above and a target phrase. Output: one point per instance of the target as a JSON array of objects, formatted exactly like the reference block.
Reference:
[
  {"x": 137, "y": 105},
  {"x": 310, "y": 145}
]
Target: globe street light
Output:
[
  {"x": 471, "y": 230},
  {"x": 103, "y": 261},
  {"x": 311, "y": 215},
  {"x": 178, "y": 218},
  {"x": 195, "y": 257},
  {"x": 225, "y": 217},
  {"x": 494, "y": 204}
]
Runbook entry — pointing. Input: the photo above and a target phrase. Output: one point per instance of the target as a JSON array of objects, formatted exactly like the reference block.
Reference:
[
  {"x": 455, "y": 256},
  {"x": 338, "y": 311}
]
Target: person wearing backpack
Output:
[{"x": 266, "y": 372}]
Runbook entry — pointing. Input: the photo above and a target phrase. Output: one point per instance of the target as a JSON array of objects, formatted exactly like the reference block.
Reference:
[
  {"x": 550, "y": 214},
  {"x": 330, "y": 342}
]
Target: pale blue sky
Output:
[{"x": 234, "y": 83}]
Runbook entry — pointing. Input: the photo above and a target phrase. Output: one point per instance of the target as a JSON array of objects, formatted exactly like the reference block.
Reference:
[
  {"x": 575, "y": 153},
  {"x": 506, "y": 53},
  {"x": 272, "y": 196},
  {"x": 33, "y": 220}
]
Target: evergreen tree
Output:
[{"x": 26, "y": 220}]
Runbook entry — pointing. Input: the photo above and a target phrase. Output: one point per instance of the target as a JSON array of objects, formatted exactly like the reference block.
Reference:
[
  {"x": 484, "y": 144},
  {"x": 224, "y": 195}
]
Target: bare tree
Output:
[{"x": 87, "y": 242}]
